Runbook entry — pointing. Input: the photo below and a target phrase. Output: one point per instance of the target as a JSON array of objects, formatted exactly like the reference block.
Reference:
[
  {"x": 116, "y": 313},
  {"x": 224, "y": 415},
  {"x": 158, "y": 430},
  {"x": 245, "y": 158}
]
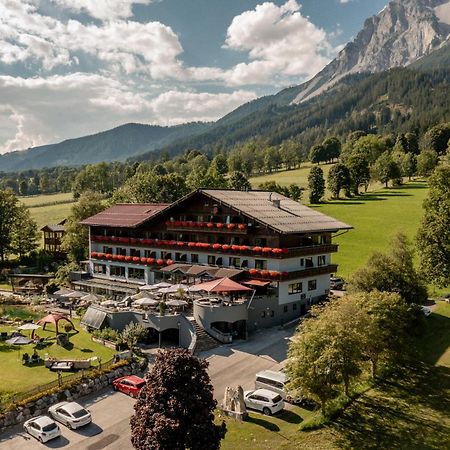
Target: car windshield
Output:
[
  {"x": 49, "y": 427},
  {"x": 276, "y": 399},
  {"x": 140, "y": 385},
  {"x": 79, "y": 413}
]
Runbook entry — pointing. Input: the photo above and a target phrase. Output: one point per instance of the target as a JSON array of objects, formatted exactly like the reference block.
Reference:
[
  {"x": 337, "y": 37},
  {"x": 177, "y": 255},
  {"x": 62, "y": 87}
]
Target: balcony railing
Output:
[
  {"x": 210, "y": 227},
  {"x": 238, "y": 250}
]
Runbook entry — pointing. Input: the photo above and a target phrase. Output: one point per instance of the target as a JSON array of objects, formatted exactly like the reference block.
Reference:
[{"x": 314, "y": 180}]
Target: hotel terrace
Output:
[{"x": 276, "y": 249}]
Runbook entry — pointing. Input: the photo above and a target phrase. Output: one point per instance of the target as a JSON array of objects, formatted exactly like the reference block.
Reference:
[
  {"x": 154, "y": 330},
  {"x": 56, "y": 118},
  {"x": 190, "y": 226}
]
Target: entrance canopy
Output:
[{"x": 219, "y": 286}]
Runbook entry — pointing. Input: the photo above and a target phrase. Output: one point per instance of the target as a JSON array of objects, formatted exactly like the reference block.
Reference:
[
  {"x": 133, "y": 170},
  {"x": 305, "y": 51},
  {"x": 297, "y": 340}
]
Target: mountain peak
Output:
[{"x": 404, "y": 31}]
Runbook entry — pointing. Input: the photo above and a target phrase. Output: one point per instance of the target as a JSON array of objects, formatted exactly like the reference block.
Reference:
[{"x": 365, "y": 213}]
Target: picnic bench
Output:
[{"x": 67, "y": 365}]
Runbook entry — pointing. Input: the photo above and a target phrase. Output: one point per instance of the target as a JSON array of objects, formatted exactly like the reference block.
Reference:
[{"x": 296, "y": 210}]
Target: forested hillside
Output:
[{"x": 396, "y": 101}]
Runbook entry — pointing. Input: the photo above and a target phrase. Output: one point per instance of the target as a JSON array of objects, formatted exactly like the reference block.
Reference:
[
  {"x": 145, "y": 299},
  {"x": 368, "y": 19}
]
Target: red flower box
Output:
[
  {"x": 192, "y": 244},
  {"x": 160, "y": 262},
  {"x": 285, "y": 250},
  {"x": 169, "y": 262},
  {"x": 216, "y": 246},
  {"x": 265, "y": 273},
  {"x": 210, "y": 225},
  {"x": 108, "y": 256},
  {"x": 150, "y": 260},
  {"x": 231, "y": 226},
  {"x": 226, "y": 247},
  {"x": 94, "y": 254},
  {"x": 241, "y": 226},
  {"x": 180, "y": 244},
  {"x": 266, "y": 250},
  {"x": 284, "y": 274},
  {"x": 202, "y": 224},
  {"x": 274, "y": 274},
  {"x": 185, "y": 224},
  {"x": 143, "y": 260},
  {"x": 277, "y": 251},
  {"x": 236, "y": 248},
  {"x": 244, "y": 248},
  {"x": 177, "y": 223},
  {"x": 128, "y": 258},
  {"x": 219, "y": 225},
  {"x": 253, "y": 271},
  {"x": 136, "y": 259},
  {"x": 257, "y": 249},
  {"x": 206, "y": 245}
]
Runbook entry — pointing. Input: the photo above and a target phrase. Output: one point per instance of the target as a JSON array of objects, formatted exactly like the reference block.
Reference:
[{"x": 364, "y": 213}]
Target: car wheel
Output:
[
  {"x": 267, "y": 412},
  {"x": 132, "y": 395}
]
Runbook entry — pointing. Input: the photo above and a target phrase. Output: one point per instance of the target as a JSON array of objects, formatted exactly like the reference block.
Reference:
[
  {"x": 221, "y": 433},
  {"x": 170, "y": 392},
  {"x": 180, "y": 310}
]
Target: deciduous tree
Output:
[
  {"x": 175, "y": 409},
  {"x": 338, "y": 179},
  {"x": 316, "y": 185},
  {"x": 9, "y": 208}
]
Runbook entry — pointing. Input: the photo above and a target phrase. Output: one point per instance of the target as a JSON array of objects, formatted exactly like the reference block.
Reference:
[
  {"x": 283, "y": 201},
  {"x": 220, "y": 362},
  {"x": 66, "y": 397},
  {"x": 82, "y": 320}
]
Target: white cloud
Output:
[
  {"x": 43, "y": 110},
  {"x": 102, "y": 9},
  {"x": 26, "y": 35},
  {"x": 279, "y": 41}
]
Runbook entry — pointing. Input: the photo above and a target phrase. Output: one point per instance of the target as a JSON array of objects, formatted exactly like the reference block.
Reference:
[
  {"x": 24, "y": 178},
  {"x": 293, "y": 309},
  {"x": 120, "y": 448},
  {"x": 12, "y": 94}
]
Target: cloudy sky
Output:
[{"x": 74, "y": 67}]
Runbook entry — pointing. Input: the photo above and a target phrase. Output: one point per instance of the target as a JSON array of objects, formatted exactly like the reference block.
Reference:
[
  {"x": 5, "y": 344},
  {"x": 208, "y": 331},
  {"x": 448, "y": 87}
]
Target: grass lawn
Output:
[
  {"x": 408, "y": 411},
  {"x": 33, "y": 201},
  {"x": 376, "y": 217},
  {"x": 17, "y": 378}
]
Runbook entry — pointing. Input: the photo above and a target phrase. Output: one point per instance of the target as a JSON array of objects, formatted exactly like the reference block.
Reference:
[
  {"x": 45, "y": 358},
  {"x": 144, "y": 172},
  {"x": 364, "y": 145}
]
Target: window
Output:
[
  {"x": 211, "y": 260},
  {"x": 321, "y": 260},
  {"x": 312, "y": 285},
  {"x": 309, "y": 262},
  {"x": 135, "y": 252},
  {"x": 261, "y": 264},
  {"x": 117, "y": 271},
  {"x": 107, "y": 249},
  {"x": 166, "y": 255},
  {"x": 294, "y": 307},
  {"x": 121, "y": 251},
  {"x": 295, "y": 288},
  {"x": 322, "y": 240},
  {"x": 261, "y": 242},
  {"x": 285, "y": 308},
  {"x": 235, "y": 262},
  {"x": 272, "y": 313},
  {"x": 194, "y": 258},
  {"x": 137, "y": 274},
  {"x": 100, "y": 269},
  {"x": 302, "y": 262},
  {"x": 219, "y": 262},
  {"x": 180, "y": 257},
  {"x": 150, "y": 253}
]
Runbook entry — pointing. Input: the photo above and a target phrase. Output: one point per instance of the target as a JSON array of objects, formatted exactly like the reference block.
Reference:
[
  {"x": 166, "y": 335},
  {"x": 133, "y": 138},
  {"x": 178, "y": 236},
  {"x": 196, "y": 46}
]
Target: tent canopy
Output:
[
  {"x": 53, "y": 319},
  {"x": 221, "y": 285}
]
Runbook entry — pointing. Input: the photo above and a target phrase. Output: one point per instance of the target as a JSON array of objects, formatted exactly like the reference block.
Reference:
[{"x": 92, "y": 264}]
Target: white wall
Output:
[{"x": 323, "y": 286}]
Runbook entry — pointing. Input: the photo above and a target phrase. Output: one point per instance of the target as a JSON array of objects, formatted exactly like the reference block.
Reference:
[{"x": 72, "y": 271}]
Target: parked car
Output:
[
  {"x": 276, "y": 382},
  {"x": 336, "y": 284},
  {"x": 268, "y": 402},
  {"x": 42, "y": 428},
  {"x": 71, "y": 414},
  {"x": 130, "y": 385}
]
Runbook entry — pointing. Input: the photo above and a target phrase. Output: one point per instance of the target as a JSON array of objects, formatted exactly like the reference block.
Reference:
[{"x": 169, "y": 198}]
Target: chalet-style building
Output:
[
  {"x": 53, "y": 235},
  {"x": 263, "y": 240}
]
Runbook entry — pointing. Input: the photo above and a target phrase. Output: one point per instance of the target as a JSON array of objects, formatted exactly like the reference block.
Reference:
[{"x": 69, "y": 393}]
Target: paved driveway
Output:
[{"x": 111, "y": 411}]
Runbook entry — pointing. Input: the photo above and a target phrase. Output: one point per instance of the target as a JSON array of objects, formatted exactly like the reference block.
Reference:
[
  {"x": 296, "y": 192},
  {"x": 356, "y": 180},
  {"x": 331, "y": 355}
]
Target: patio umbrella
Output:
[
  {"x": 90, "y": 298},
  {"x": 176, "y": 302},
  {"x": 163, "y": 284},
  {"x": 175, "y": 288},
  {"x": 29, "y": 326},
  {"x": 108, "y": 303},
  {"x": 148, "y": 287},
  {"x": 18, "y": 341},
  {"x": 146, "y": 302},
  {"x": 74, "y": 294}
]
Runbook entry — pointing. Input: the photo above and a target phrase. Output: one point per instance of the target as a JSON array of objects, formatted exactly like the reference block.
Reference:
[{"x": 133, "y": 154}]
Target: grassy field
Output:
[
  {"x": 18, "y": 378},
  {"x": 407, "y": 411},
  {"x": 33, "y": 201},
  {"x": 376, "y": 217}
]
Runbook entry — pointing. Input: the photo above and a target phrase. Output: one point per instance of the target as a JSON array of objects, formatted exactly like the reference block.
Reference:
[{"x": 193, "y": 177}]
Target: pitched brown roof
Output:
[
  {"x": 276, "y": 211},
  {"x": 55, "y": 227},
  {"x": 125, "y": 215}
]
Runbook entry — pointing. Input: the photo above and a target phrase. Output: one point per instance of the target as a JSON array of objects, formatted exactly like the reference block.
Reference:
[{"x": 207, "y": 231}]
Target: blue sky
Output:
[{"x": 74, "y": 67}]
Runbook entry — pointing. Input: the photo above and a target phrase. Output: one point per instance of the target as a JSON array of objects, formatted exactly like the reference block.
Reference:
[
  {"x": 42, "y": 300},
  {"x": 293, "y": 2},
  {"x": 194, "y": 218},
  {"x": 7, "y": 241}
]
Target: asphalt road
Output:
[{"x": 111, "y": 411}]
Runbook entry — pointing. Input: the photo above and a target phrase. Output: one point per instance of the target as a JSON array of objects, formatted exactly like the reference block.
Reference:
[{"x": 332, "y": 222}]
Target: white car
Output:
[
  {"x": 42, "y": 428},
  {"x": 268, "y": 402},
  {"x": 70, "y": 414}
]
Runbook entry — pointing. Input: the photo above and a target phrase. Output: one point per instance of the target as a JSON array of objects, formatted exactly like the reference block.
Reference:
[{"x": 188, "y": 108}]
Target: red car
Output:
[{"x": 130, "y": 385}]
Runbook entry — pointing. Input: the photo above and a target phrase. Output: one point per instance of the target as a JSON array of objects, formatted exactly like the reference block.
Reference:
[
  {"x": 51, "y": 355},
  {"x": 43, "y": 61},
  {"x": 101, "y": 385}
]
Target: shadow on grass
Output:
[
  {"x": 86, "y": 350},
  {"x": 290, "y": 417},
  {"x": 263, "y": 423},
  {"x": 407, "y": 411}
]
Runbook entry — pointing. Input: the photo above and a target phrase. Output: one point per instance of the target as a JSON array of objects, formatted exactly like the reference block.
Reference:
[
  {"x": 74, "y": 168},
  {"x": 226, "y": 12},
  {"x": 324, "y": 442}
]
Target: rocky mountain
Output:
[
  {"x": 117, "y": 144},
  {"x": 403, "y": 32}
]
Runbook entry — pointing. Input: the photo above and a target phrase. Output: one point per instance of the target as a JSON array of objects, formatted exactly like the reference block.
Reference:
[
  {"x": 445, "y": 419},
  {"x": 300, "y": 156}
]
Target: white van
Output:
[{"x": 275, "y": 382}]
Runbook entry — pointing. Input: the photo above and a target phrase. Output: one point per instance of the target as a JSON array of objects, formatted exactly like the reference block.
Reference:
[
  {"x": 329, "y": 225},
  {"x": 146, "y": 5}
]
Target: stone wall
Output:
[{"x": 85, "y": 387}]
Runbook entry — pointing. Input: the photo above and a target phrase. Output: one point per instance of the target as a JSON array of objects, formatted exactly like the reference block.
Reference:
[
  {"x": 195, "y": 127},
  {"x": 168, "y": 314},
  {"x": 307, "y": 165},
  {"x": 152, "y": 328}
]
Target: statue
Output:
[{"x": 233, "y": 404}]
